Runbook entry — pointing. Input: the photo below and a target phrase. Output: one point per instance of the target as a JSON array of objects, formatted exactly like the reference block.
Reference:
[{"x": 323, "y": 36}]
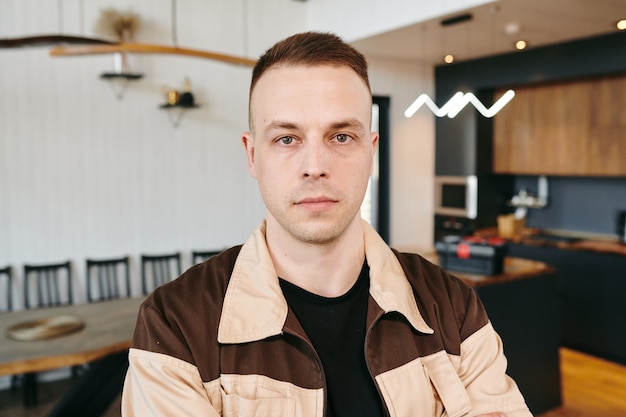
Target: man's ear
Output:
[
  {"x": 248, "y": 145},
  {"x": 375, "y": 137}
]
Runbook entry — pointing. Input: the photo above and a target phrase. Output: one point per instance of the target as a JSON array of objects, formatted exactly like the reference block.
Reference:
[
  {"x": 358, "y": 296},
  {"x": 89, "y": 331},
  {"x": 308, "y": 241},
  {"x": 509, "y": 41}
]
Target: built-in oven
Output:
[{"x": 456, "y": 196}]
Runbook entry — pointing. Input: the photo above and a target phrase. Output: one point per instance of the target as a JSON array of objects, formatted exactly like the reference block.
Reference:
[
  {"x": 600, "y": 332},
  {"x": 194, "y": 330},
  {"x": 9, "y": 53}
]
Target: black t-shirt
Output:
[{"x": 336, "y": 327}]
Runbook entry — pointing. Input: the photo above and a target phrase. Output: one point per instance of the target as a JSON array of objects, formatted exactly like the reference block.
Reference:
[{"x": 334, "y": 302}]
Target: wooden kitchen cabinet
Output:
[{"x": 570, "y": 128}]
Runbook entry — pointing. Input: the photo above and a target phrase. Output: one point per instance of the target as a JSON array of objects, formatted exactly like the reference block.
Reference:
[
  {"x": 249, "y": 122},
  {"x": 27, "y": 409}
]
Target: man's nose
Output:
[{"x": 315, "y": 159}]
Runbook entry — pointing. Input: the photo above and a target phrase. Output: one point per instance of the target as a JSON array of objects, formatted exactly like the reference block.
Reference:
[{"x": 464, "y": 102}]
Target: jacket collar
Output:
[{"x": 254, "y": 305}]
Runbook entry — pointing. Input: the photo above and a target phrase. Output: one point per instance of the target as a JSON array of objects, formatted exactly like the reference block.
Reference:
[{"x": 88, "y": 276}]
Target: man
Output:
[{"x": 315, "y": 315}]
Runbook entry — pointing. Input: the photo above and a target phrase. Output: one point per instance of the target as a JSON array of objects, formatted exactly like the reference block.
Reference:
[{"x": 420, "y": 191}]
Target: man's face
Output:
[{"x": 311, "y": 149}]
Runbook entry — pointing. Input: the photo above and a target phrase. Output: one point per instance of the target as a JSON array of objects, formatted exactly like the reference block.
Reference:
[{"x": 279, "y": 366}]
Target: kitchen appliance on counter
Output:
[
  {"x": 472, "y": 255},
  {"x": 456, "y": 195},
  {"x": 621, "y": 226},
  {"x": 464, "y": 203}
]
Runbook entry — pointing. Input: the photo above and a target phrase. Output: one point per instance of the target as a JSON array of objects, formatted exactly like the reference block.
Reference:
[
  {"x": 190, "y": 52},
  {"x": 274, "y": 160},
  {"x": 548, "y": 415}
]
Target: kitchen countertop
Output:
[
  {"x": 561, "y": 239},
  {"x": 514, "y": 269}
]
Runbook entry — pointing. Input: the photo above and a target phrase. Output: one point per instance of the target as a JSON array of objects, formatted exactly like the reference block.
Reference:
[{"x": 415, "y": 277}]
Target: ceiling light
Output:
[
  {"x": 512, "y": 28},
  {"x": 621, "y": 25},
  {"x": 521, "y": 44},
  {"x": 448, "y": 59}
]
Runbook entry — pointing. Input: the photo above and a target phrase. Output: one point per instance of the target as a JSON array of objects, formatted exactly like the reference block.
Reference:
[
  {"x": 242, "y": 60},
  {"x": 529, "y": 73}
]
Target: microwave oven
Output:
[{"x": 456, "y": 196}]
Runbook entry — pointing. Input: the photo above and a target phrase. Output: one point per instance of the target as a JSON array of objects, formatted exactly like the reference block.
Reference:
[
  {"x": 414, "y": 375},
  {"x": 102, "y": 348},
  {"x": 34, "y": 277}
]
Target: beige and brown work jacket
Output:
[{"x": 221, "y": 341}]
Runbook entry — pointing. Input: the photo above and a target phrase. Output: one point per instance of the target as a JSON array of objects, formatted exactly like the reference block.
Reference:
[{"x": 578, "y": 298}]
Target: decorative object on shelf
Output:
[
  {"x": 122, "y": 26},
  {"x": 177, "y": 102}
]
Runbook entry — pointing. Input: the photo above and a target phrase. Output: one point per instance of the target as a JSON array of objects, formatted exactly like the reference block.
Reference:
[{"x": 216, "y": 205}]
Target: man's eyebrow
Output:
[
  {"x": 280, "y": 125},
  {"x": 352, "y": 122}
]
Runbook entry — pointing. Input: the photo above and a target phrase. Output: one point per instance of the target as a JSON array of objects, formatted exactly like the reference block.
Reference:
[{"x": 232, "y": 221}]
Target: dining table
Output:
[
  {"x": 107, "y": 328},
  {"x": 98, "y": 334}
]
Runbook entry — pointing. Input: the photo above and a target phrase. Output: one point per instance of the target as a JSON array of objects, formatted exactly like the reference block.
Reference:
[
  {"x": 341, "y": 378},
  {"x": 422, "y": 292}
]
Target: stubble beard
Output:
[{"x": 324, "y": 229}]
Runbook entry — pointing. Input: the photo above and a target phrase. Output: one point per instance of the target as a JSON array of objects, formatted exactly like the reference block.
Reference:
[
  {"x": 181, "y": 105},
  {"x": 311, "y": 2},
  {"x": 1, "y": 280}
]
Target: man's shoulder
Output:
[
  {"x": 202, "y": 283},
  {"x": 423, "y": 275}
]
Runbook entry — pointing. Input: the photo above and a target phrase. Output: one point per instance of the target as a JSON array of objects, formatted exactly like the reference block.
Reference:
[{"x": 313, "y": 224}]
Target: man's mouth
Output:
[{"x": 316, "y": 203}]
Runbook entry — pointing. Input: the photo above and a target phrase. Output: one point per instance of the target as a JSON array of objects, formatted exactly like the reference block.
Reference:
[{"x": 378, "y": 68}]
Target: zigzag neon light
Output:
[{"x": 457, "y": 103}]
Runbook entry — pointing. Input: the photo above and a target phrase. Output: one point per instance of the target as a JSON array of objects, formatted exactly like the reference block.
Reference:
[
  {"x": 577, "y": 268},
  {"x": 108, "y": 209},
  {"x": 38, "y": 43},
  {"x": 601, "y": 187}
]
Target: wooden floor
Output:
[{"x": 591, "y": 388}]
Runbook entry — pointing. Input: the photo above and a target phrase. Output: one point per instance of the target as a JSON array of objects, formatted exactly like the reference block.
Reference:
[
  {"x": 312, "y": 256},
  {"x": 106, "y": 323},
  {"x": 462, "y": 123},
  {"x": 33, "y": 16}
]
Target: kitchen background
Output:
[{"x": 464, "y": 145}]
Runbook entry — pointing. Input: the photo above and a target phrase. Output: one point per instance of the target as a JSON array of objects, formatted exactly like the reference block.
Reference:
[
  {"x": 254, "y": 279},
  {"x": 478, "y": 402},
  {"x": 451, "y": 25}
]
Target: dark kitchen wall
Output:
[
  {"x": 583, "y": 204},
  {"x": 576, "y": 203}
]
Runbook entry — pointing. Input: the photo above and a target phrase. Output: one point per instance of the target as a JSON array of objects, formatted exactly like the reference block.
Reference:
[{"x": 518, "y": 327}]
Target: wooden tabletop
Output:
[{"x": 108, "y": 329}]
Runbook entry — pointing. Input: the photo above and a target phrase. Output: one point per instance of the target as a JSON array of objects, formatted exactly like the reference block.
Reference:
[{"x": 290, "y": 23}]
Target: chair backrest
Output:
[
  {"x": 198, "y": 256},
  {"x": 47, "y": 285},
  {"x": 107, "y": 279},
  {"x": 158, "y": 269},
  {"x": 6, "y": 289}
]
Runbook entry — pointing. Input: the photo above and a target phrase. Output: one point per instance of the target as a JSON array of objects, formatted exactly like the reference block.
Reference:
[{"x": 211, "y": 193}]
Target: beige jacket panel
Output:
[
  {"x": 159, "y": 385},
  {"x": 230, "y": 396}
]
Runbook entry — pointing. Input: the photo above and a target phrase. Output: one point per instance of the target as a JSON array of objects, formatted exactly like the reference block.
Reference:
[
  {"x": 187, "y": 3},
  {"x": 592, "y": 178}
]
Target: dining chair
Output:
[
  {"x": 6, "y": 289},
  {"x": 47, "y": 285},
  {"x": 198, "y": 256},
  {"x": 156, "y": 270},
  {"x": 107, "y": 279}
]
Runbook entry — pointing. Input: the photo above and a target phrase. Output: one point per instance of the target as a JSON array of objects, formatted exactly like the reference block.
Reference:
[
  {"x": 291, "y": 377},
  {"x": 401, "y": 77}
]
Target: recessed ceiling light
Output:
[
  {"x": 512, "y": 28},
  {"x": 621, "y": 25},
  {"x": 521, "y": 44},
  {"x": 448, "y": 59}
]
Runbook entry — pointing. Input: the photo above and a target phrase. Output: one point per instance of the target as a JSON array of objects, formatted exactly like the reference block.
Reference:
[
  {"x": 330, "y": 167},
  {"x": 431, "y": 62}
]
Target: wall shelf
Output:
[
  {"x": 119, "y": 81},
  {"x": 175, "y": 111}
]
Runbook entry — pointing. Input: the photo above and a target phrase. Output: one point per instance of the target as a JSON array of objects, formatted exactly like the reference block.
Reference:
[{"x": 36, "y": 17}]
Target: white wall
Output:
[
  {"x": 412, "y": 151},
  {"x": 83, "y": 174}
]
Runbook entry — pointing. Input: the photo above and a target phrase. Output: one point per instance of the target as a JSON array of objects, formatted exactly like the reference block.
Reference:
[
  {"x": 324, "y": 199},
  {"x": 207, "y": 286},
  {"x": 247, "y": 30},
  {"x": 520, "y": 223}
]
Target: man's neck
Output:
[{"x": 328, "y": 269}]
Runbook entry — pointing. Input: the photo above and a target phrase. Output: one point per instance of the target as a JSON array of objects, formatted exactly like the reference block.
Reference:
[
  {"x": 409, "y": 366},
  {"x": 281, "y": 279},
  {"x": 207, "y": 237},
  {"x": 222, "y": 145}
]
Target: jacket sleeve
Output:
[
  {"x": 159, "y": 383},
  {"x": 482, "y": 369}
]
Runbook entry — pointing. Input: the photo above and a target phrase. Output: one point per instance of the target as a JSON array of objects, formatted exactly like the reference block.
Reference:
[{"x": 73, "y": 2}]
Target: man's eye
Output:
[
  {"x": 286, "y": 140},
  {"x": 342, "y": 138}
]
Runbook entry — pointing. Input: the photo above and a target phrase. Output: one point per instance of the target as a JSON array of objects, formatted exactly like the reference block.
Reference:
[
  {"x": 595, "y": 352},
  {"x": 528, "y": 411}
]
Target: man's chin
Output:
[{"x": 314, "y": 231}]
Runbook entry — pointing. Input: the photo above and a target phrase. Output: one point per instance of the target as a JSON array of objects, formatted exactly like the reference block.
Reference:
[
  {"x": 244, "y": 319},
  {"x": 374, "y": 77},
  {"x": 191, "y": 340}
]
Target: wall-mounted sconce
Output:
[
  {"x": 121, "y": 75},
  {"x": 457, "y": 102},
  {"x": 122, "y": 26},
  {"x": 177, "y": 102}
]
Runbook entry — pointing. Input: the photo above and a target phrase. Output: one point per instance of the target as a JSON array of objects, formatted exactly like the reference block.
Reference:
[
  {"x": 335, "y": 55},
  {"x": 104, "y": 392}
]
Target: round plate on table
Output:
[{"x": 44, "y": 329}]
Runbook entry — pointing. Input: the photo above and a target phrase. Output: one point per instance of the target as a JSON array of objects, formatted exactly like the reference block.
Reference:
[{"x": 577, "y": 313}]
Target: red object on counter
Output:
[{"x": 463, "y": 250}]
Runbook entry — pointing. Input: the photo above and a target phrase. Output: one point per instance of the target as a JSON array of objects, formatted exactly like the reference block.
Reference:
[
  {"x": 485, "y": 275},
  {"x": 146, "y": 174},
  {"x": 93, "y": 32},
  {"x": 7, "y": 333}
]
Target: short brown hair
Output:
[{"x": 311, "y": 49}]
